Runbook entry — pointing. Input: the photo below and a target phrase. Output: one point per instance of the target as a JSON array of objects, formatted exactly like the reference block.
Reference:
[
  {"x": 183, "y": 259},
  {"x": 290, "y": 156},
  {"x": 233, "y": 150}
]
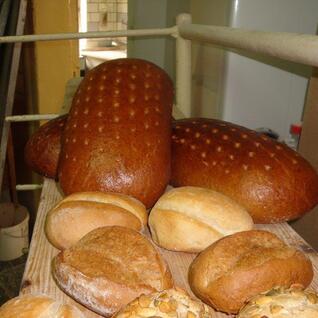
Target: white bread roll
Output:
[
  {"x": 83, "y": 212},
  {"x": 280, "y": 302},
  {"x": 37, "y": 306},
  {"x": 189, "y": 219},
  {"x": 173, "y": 303}
]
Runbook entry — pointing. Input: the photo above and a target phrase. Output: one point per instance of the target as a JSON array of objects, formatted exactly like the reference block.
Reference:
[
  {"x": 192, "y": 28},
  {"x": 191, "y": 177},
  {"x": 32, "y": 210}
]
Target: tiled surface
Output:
[{"x": 10, "y": 278}]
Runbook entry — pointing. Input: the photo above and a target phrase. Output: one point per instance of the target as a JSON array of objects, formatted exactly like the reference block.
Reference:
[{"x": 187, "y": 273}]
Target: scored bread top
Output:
[
  {"x": 241, "y": 265},
  {"x": 109, "y": 267},
  {"x": 126, "y": 202},
  {"x": 198, "y": 216},
  {"x": 273, "y": 182},
  {"x": 117, "y": 136}
]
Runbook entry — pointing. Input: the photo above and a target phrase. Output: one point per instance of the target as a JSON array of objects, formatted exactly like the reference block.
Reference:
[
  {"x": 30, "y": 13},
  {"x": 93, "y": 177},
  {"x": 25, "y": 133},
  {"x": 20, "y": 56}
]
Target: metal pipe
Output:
[
  {"x": 27, "y": 187},
  {"x": 31, "y": 117},
  {"x": 87, "y": 35},
  {"x": 299, "y": 48},
  {"x": 183, "y": 68}
]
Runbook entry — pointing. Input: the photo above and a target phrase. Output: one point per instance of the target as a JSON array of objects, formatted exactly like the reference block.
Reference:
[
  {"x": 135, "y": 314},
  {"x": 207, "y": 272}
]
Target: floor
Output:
[{"x": 10, "y": 278}]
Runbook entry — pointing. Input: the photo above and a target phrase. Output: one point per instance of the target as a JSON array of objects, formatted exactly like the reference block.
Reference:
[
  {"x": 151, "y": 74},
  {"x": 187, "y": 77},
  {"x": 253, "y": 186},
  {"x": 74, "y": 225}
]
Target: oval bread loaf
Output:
[
  {"x": 282, "y": 302},
  {"x": 273, "y": 182},
  {"x": 37, "y": 306},
  {"x": 189, "y": 219},
  {"x": 109, "y": 267},
  {"x": 240, "y": 266},
  {"x": 43, "y": 149},
  {"x": 174, "y": 303},
  {"x": 118, "y": 134},
  {"x": 82, "y": 212}
]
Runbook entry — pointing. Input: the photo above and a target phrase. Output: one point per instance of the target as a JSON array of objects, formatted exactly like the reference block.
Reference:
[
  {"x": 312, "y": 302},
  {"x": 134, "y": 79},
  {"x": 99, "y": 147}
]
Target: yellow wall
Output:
[{"x": 58, "y": 61}]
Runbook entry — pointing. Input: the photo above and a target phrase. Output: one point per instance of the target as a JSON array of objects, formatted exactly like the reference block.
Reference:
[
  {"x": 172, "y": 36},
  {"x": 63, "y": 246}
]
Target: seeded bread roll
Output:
[
  {"x": 43, "y": 149},
  {"x": 84, "y": 211},
  {"x": 109, "y": 267},
  {"x": 118, "y": 134},
  {"x": 280, "y": 302},
  {"x": 242, "y": 265},
  {"x": 37, "y": 306},
  {"x": 198, "y": 218},
  {"x": 273, "y": 182},
  {"x": 168, "y": 303}
]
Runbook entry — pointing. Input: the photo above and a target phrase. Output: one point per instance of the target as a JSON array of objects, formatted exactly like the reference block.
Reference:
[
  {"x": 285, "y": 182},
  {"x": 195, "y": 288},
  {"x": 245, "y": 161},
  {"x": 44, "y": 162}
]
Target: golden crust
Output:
[
  {"x": 34, "y": 306},
  {"x": 82, "y": 212},
  {"x": 242, "y": 265},
  {"x": 109, "y": 267}
]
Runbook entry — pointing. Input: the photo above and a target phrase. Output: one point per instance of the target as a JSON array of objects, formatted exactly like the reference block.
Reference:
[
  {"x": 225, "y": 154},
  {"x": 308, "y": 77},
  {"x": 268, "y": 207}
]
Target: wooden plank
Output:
[{"x": 38, "y": 279}]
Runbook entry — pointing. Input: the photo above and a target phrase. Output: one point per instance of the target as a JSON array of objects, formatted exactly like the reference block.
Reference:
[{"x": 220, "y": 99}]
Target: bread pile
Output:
[{"x": 115, "y": 162}]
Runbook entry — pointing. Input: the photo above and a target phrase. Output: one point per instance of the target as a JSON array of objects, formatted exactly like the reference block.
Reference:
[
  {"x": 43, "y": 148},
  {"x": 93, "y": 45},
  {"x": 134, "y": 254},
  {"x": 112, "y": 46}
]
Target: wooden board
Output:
[{"x": 37, "y": 277}]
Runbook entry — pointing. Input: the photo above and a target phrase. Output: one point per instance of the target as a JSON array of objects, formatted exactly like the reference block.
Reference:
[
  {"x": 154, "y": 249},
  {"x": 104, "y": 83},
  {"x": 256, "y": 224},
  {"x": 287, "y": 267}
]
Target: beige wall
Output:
[
  {"x": 208, "y": 61},
  {"x": 57, "y": 61}
]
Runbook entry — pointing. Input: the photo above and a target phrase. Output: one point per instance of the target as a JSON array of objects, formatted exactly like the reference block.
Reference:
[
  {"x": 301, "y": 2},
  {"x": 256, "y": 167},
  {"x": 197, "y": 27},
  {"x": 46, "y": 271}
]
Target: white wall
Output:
[{"x": 154, "y": 14}]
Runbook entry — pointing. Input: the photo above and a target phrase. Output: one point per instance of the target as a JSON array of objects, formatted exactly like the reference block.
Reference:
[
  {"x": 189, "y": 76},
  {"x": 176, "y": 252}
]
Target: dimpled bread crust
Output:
[
  {"x": 36, "y": 306},
  {"x": 280, "y": 302},
  {"x": 242, "y": 265},
  {"x": 43, "y": 149},
  {"x": 118, "y": 134},
  {"x": 273, "y": 182},
  {"x": 109, "y": 267},
  {"x": 170, "y": 303}
]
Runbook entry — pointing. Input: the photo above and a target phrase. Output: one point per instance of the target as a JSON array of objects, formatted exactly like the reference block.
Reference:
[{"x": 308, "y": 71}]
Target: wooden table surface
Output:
[{"x": 38, "y": 279}]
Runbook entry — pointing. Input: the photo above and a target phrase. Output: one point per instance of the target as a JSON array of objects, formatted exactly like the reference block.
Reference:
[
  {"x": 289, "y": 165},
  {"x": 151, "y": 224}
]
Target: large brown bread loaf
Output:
[
  {"x": 273, "y": 182},
  {"x": 117, "y": 136},
  {"x": 43, "y": 149}
]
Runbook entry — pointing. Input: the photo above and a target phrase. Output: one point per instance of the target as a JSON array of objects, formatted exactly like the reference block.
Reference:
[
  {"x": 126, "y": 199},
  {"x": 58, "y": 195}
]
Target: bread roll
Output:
[
  {"x": 84, "y": 211},
  {"x": 279, "y": 302},
  {"x": 273, "y": 182},
  {"x": 109, "y": 267},
  {"x": 37, "y": 306},
  {"x": 189, "y": 219},
  {"x": 174, "y": 303},
  {"x": 242, "y": 265},
  {"x": 118, "y": 133},
  {"x": 43, "y": 149}
]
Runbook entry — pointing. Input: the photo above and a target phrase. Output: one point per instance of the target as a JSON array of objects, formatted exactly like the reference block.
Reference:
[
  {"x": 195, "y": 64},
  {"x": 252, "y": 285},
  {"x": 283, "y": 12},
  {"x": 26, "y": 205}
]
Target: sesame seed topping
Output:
[
  {"x": 132, "y": 99},
  {"x": 219, "y": 149},
  {"x": 237, "y": 145},
  {"x": 157, "y": 123},
  {"x": 231, "y": 157},
  {"x": 182, "y": 140},
  {"x": 100, "y": 128},
  {"x": 197, "y": 135},
  {"x": 86, "y": 141},
  {"x": 187, "y": 129},
  {"x": 225, "y": 137},
  {"x": 208, "y": 141},
  {"x": 214, "y": 130},
  {"x": 74, "y": 140},
  {"x": 245, "y": 167},
  {"x": 251, "y": 154},
  {"x": 146, "y": 111},
  {"x": 244, "y": 136},
  {"x": 267, "y": 167},
  {"x": 86, "y": 111},
  {"x": 87, "y": 99},
  {"x": 193, "y": 147},
  {"x": 272, "y": 155},
  {"x": 203, "y": 154},
  {"x": 132, "y": 113},
  {"x": 85, "y": 125},
  {"x": 101, "y": 87},
  {"x": 116, "y": 119},
  {"x": 213, "y": 163},
  {"x": 100, "y": 114},
  {"x": 257, "y": 144}
]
